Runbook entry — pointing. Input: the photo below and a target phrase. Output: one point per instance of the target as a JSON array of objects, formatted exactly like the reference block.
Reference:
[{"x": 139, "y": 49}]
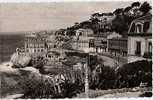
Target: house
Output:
[{"x": 140, "y": 37}]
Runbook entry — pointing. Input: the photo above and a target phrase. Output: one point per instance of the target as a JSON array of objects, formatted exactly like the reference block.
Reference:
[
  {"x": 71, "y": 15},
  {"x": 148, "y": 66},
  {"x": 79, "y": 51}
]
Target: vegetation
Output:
[
  {"x": 129, "y": 75},
  {"x": 133, "y": 74},
  {"x": 34, "y": 88},
  {"x": 100, "y": 76},
  {"x": 148, "y": 55},
  {"x": 125, "y": 16},
  {"x": 120, "y": 23}
]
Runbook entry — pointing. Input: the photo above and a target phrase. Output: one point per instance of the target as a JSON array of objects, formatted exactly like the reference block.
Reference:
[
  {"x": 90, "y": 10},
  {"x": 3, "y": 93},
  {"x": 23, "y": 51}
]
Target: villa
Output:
[{"x": 140, "y": 38}]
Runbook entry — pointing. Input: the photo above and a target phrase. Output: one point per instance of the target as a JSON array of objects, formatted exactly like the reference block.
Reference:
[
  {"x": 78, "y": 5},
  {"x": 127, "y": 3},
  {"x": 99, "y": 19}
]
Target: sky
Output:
[{"x": 19, "y": 17}]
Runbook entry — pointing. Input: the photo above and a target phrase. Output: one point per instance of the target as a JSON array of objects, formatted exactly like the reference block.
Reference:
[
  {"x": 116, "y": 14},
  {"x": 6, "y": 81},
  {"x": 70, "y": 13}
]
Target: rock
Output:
[{"x": 20, "y": 60}]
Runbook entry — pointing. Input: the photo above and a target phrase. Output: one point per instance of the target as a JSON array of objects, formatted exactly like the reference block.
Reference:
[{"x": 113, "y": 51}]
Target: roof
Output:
[
  {"x": 148, "y": 16},
  {"x": 145, "y": 18}
]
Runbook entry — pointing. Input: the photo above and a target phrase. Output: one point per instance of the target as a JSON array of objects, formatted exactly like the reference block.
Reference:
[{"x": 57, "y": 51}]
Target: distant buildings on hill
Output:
[{"x": 138, "y": 43}]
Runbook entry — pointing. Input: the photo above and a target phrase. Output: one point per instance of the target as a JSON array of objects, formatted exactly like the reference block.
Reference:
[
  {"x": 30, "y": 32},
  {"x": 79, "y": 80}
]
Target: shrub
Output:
[
  {"x": 37, "y": 88},
  {"x": 103, "y": 78},
  {"x": 147, "y": 55},
  {"x": 132, "y": 74}
]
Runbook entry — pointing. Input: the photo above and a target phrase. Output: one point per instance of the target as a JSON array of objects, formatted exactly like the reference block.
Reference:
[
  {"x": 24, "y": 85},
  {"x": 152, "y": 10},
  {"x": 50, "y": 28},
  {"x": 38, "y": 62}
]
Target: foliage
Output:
[
  {"x": 37, "y": 62},
  {"x": 145, "y": 7},
  {"x": 135, "y": 4},
  {"x": 72, "y": 89},
  {"x": 119, "y": 24},
  {"x": 147, "y": 55},
  {"x": 9, "y": 84},
  {"x": 127, "y": 9},
  {"x": 133, "y": 74},
  {"x": 36, "y": 88},
  {"x": 129, "y": 75},
  {"x": 103, "y": 78},
  {"x": 118, "y": 11}
]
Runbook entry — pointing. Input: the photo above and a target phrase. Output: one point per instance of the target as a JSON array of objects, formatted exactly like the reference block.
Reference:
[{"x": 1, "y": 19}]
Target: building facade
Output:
[
  {"x": 118, "y": 45},
  {"x": 140, "y": 37},
  {"x": 98, "y": 43},
  {"x": 35, "y": 45}
]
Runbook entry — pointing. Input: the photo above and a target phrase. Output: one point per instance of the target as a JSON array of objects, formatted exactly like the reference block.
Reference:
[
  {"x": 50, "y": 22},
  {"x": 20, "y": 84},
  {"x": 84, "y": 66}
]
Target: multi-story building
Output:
[
  {"x": 99, "y": 42},
  {"x": 35, "y": 44},
  {"x": 117, "y": 45},
  {"x": 140, "y": 38},
  {"x": 109, "y": 42}
]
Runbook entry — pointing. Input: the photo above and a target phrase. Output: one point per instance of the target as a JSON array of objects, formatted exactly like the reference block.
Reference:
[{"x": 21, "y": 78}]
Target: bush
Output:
[
  {"x": 129, "y": 75},
  {"x": 103, "y": 78},
  {"x": 37, "y": 88},
  {"x": 132, "y": 74},
  {"x": 148, "y": 55},
  {"x": 71, "y": 89}
]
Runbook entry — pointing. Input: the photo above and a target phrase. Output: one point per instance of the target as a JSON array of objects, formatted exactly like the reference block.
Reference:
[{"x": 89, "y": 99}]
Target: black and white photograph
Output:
[{"x": 75, "y": 50}]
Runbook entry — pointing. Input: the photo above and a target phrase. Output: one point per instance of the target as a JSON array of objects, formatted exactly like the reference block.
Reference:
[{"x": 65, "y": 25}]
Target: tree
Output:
[
  {"x": 134, "y": 73},
  {"x": 128, "y": 15},
  {"x": 145, "y": 7},
  {"x": 119, "y": 24},
  {"x": 135, "y": 4},
  {"x": 118, "y": 11},
  {"x": 127, "y": 9}
]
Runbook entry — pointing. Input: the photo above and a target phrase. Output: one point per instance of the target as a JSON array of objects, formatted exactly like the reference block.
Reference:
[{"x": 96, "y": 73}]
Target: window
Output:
[
  {"x": 138, "y": 48},
  {"x": 146, "y": 26},
  {"x": 41, "y": 50},
  {"x": 150, "y": 47},
  {"x": 34, "y": 50},
  {"x": 139, "y": 28}
]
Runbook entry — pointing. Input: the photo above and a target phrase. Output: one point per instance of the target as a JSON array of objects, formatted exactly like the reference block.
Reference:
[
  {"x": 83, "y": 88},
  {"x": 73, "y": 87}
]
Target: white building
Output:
[
  {"x": 35, "y": 45},
  {"x": 81, "y": 41},
  {"x": 140, "y": 38}
]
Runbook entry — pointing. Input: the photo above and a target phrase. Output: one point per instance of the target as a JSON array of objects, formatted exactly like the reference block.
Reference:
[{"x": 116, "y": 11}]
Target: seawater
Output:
[{"x": 8, "y": 45}]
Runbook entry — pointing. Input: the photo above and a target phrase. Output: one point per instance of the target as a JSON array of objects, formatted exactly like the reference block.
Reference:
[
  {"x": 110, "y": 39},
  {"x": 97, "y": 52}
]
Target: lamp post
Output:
[{"x": 86, "y": 74}]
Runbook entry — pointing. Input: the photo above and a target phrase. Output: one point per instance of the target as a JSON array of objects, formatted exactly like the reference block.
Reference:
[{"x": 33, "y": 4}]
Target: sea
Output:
[{"x": 8, "y": 45}]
